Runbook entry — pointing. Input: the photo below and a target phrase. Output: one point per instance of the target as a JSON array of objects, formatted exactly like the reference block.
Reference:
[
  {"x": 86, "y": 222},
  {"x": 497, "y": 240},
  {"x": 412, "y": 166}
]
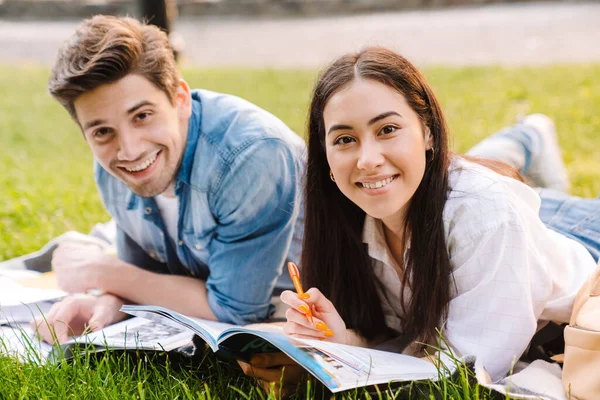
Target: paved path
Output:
[{"x": 531, "y": 33}]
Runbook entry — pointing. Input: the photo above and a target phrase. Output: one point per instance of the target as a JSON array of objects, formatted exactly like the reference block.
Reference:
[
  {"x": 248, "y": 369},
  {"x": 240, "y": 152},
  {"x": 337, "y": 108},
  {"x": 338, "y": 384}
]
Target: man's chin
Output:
[{"x": 149, "y": 189}]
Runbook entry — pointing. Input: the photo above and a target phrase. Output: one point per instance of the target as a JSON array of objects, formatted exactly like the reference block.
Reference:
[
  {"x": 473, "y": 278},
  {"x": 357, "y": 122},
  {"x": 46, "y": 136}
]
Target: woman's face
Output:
[{"x": 375, "y": 146}]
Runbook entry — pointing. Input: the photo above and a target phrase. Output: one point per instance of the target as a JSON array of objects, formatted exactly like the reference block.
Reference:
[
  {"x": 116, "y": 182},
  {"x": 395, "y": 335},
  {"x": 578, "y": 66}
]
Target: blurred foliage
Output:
[{"x": 47, "y": 187}]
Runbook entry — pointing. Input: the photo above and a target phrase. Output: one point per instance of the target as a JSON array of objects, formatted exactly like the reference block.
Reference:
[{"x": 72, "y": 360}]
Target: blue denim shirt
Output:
[{"x": 239, "y": 190}]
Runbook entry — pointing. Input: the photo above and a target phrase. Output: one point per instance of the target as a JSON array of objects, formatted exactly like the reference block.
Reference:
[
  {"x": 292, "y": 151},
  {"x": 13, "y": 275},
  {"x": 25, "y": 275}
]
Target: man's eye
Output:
[
  {"x": 343, "y": 140},
  {"x": 386, "y": 130},
  {"x": 102, "y": 132},
  {"x": 142, "y": 116}
]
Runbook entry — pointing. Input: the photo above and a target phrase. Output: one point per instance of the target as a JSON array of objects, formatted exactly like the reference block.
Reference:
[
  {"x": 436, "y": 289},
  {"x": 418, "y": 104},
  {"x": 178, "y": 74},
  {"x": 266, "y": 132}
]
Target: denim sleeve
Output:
[
  {"x": 130, "y": 252},
  {"x": 256, "y": 208}
]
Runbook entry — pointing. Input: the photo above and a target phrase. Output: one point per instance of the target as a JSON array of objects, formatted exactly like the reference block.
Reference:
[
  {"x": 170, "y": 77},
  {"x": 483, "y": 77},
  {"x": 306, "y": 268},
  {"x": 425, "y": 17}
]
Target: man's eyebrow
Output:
[
  {"x": 93, "y": 123},
  {"x": 382, "y": 116},
  {"x": 139, "y": 105},
  {"x": 133, "y": 109}
]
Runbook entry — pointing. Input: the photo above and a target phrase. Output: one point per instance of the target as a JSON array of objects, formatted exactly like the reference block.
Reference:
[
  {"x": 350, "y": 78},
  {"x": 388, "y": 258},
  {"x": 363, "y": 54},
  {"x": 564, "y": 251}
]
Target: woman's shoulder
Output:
[{"x": 480, "y": 199}]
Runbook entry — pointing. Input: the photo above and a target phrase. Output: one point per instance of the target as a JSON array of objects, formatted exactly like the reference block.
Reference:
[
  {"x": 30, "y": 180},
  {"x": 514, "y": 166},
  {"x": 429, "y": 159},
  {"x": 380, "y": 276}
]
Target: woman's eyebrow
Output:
[
  {"x": 382, "y": 116},
  {"x": 371, "y": 121},
  {"x": 338, "y": 127}
]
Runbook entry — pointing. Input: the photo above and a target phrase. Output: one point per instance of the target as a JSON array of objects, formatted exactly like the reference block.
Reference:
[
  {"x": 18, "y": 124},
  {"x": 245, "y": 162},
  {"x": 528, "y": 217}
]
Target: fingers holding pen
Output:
[
  {"x": 298, "y": 319},
  {"x": 298, "y": 326},
  {"x": 293, "y": 300}
]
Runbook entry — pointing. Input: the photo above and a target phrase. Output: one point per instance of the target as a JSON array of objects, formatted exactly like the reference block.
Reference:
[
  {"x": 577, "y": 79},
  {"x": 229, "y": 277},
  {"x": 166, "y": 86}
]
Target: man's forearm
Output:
[{"x": 183, "y": 294}]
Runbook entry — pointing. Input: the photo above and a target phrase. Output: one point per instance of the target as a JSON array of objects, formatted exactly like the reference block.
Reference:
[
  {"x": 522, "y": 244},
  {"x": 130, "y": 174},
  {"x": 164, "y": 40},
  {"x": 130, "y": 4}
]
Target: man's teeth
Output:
[
  {"x": 378, "y": 184},
  {"x": 142, "y": 166}
]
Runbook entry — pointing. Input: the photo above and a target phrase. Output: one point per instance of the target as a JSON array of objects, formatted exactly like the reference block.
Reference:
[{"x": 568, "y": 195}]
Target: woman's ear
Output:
[
  {"x": 428, "y": 138},
  {"x": 183, "y": 99}
]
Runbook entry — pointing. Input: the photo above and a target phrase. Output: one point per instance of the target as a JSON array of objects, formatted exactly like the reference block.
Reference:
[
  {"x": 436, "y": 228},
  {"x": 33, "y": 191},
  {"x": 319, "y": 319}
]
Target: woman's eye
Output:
[
  {"x": 343, "y": 140},
  {"x": 386, "y": 130}
]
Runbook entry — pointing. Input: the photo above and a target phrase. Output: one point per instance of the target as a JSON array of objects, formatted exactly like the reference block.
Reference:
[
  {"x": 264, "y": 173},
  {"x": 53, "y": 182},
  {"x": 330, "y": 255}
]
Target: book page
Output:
[
  {"x": 13, "y": 294},
  {"x": 209, "y": 331},
  {"x": 20, "y": 341},
  {"x": 377, "y": 365},
  {"x": 24, "y": 313},
  {"x": 338, "y": 367},
  {"x": 139, "y": 333}
]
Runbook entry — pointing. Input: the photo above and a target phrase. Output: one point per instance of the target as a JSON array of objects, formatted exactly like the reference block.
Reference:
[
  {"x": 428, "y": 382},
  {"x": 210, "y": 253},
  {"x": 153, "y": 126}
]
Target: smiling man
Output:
[{"x": 204, "y": 187}]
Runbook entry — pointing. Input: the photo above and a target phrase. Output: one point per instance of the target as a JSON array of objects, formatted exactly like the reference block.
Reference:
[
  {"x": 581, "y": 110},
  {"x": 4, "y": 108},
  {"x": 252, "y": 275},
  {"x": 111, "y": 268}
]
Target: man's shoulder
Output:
[
  {"x": 230, "y": 123},
  {"x": 233, "y": 130}
]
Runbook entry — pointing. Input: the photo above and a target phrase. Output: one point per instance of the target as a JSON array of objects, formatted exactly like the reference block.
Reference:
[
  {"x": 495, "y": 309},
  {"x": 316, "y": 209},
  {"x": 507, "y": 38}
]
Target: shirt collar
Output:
[
  {"x": 187, "y": 163},
  {"x": 374, "y": 237}
]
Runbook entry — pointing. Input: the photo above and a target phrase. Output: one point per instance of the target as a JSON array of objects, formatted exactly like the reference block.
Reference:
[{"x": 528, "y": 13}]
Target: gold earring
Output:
[
  {"x": 430, "y": 159},
  {"x": 331, "y": 176}
]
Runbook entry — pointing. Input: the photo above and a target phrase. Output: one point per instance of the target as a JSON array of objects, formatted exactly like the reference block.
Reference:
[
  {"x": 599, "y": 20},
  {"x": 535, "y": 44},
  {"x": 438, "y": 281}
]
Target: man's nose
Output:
[{"x": 130, "y": 145}]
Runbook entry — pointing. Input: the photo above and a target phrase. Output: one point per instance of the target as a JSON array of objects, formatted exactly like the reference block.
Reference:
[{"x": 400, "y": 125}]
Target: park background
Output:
[{"x": 488, "y": 63}]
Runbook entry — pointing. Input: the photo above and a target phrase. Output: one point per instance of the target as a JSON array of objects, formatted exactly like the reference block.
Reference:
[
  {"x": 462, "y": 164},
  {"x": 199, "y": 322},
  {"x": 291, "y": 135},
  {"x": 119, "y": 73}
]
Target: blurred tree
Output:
[{"x": 163, "y": 13}]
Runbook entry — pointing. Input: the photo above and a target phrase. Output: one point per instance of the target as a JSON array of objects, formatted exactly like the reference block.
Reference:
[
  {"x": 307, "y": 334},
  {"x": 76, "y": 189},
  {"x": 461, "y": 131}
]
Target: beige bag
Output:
[{"x": 581, "y": 368}]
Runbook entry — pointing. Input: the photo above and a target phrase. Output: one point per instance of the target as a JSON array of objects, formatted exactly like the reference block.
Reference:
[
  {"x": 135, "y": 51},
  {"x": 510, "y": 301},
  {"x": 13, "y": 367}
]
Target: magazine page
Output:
[
  {"x": 359, "y": 366},
  {"x": 339, "y": 367},
  {"x": 208, "y": 330},
  {"x": 24, "y": 313},
  {"x": 138, "y": 334},
  {"x": 20, "y": 304},
  {"x": 20, "y": 341}
]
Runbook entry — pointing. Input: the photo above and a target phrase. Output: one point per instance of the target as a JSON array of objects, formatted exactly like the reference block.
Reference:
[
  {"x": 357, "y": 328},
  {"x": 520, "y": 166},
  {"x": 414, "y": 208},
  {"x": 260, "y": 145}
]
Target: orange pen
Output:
[{"x": 295, "y": 275}]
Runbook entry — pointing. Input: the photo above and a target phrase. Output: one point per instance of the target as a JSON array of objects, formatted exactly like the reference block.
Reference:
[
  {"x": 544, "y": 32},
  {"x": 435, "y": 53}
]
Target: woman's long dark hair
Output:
[{"x": 334, "y": 258}]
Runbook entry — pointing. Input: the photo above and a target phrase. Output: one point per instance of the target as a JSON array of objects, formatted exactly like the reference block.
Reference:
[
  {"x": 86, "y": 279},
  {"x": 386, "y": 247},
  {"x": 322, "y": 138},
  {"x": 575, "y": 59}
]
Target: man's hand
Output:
[
  {"x": 76, "y": 314},
  {"x": 78, "y": 266},
  {"x": 274, "y": 370}
]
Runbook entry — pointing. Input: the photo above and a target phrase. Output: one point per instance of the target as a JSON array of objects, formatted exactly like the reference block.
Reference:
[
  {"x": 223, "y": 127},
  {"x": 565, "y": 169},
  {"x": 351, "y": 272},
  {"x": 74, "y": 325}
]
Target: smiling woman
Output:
[
  {"x": 360, "y": 139},
  {"x": 402, "y": 237}
]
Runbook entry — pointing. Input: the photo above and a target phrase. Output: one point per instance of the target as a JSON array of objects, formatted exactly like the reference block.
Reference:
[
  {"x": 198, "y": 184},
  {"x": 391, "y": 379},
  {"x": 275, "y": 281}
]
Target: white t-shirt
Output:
[
  {"x": 511, "y": 272},
  {"x": 169, "y": 211}
]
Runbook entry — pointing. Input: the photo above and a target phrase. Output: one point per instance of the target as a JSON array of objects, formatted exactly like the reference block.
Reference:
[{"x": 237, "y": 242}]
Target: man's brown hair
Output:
[{"x": 105, "y": 49}]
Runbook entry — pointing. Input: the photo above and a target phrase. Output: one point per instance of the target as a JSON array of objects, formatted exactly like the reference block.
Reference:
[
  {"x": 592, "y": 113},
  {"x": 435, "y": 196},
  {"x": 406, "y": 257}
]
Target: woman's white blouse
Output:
[{"x": 510, "y": 271}]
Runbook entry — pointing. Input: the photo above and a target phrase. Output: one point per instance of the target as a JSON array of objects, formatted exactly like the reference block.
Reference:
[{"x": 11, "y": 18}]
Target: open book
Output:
[
  {"x": 338, "y": 367},
  {"x": 19, "y": 340},
  {"x": 20, "y": 304}
]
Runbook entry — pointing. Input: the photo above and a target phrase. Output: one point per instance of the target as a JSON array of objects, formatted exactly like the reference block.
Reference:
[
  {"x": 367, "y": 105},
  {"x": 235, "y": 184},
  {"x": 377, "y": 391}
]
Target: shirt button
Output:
[
  {"x": 197, "y": 246},
  {"x": 181, "y": 242},
  {"x": 148, "y": 210}
]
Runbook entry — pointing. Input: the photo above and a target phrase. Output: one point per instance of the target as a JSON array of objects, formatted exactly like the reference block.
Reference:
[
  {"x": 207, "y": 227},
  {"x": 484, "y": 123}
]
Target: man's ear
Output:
[{"x": 183, "y": 99}]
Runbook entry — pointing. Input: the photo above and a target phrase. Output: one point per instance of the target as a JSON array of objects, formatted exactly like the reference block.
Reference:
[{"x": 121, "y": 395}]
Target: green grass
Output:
[{"x": 47, "y": 188}]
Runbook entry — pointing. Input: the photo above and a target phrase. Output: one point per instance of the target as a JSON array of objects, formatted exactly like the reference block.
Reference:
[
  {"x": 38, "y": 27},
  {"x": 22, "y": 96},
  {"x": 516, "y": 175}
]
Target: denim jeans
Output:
[
  {"x": 571, "y": 216},
  {"x": 574, "y": 217}
]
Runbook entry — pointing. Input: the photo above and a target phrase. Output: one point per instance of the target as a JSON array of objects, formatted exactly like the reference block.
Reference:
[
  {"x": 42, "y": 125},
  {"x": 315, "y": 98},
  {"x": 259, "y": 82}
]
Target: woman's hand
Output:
[
  {"x": 276, "y": 371},
  {"x": 326, "y": 323}
]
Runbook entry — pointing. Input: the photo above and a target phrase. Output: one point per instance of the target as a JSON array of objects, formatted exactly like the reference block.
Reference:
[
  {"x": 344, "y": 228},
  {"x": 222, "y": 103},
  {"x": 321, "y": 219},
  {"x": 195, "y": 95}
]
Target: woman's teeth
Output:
[{"x": 378, "y": 184}]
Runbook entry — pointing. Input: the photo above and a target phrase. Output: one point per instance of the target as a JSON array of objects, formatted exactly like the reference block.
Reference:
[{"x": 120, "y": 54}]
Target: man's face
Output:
[{"x": 135, "y": 133}]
